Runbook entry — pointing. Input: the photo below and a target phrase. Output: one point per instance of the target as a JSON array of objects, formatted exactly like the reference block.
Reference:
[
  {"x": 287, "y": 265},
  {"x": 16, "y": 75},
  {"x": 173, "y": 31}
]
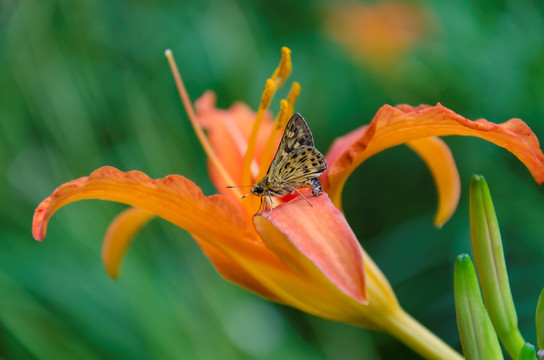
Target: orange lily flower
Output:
[
  {"x": 380, "y": 34},
  {"x": 302, "y": 256}
]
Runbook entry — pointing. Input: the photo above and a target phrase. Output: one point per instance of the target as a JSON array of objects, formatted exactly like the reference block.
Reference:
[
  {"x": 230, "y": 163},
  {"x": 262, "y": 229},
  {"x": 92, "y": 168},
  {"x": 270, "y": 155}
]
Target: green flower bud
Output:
[
  {"x": 527, "y": 352},
  {"x": 489, "y": 260},
  {"x": 478, "y": 337}
]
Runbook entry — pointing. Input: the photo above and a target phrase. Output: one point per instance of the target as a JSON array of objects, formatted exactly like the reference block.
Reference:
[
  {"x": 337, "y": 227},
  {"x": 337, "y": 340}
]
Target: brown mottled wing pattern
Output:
[
  {"x": 296, "y": 134},
  {"x": 299, "y": 167}
]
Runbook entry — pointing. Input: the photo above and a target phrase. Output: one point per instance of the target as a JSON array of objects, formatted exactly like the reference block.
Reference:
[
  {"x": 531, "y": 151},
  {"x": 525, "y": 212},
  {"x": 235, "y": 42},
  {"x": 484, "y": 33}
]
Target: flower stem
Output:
[{"x": 417, "y": 337}]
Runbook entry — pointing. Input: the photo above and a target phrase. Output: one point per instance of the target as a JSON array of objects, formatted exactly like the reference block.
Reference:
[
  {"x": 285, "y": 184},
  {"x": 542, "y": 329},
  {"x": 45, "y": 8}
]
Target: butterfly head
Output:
[{"x": 257, "y": 190}]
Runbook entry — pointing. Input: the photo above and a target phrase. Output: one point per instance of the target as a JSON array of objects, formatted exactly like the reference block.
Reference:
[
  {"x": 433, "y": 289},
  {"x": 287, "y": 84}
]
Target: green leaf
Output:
[
  {"x": 491, "y": 266},
  {"x": 478, "y": 337}
]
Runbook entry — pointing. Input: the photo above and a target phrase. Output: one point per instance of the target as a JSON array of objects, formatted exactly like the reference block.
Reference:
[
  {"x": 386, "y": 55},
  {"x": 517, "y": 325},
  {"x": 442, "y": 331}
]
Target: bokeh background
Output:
[{"x": 85, "y": 84}]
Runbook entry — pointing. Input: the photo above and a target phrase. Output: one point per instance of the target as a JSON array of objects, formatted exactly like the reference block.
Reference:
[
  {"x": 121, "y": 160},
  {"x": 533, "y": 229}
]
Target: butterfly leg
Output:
[
  {"x": 304, "y": 197},
  {"x": 261, "y": 206},
  {"x": 316, "y": 187},
  {"x": 271, "y": 204}
]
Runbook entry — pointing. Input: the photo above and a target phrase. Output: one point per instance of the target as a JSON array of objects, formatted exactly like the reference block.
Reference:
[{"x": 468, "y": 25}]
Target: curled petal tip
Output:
[
  {"x": 119, "y": 236},
  {"x": 439, "y": 159},
  {"x": 173, "y": 198},
  {"x": 38, "y": 226}
]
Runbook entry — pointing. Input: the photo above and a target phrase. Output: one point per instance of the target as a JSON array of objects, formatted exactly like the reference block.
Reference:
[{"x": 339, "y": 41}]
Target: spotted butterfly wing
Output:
[
  {"x": 296, "y": 134},
  {"x": 300, "y": 166}
]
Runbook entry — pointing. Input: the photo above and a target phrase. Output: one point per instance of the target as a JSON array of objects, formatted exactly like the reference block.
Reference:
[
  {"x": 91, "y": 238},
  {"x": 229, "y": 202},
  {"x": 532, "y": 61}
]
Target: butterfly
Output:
[{"x": 297, "y": 164}]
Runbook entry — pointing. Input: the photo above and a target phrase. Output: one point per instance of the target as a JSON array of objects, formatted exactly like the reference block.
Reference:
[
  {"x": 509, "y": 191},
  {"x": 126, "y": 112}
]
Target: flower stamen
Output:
[
  {"x": 286, "y": 111},
  {"x": 293, "y": 95},
  {"x": 275, "y": 82},
  {"x": 187, "y": 104},
  {"x": 284, "y": 68}
]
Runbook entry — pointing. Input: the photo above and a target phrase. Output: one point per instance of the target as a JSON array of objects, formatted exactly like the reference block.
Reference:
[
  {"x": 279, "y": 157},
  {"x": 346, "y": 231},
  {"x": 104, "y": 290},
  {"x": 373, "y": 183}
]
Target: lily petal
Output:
[
  {"x": 173, "y": 198},
  {"x": 437, "y": 155},
  {"x": 119, "y": 235},
  {"x": 397, "y": 125},
  {"x": 316, "y": 239}
]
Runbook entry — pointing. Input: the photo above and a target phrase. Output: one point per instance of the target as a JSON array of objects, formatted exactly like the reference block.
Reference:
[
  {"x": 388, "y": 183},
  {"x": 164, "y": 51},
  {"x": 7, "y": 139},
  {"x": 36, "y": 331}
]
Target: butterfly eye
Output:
[{"x": 258, "y": 189}]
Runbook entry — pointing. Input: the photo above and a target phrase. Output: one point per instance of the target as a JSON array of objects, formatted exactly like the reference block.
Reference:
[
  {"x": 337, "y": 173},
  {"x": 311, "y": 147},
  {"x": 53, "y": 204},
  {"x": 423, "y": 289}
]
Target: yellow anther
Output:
[
  {"x": 284, "y": 68},
  {"x": 293, "y": 95},
  {"x": 268, "y": 93},
  {"x": 284, "y": 115},
  {"x": 278, "y": 78}
]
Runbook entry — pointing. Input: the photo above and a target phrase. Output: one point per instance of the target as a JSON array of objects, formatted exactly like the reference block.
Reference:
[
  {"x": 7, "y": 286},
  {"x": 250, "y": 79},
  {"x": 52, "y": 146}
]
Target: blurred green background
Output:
[{"x": 85, "y": 84}]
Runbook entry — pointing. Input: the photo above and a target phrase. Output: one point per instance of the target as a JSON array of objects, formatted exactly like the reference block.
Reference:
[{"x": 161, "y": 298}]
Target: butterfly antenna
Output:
[{"x": 237, "y": 186}]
